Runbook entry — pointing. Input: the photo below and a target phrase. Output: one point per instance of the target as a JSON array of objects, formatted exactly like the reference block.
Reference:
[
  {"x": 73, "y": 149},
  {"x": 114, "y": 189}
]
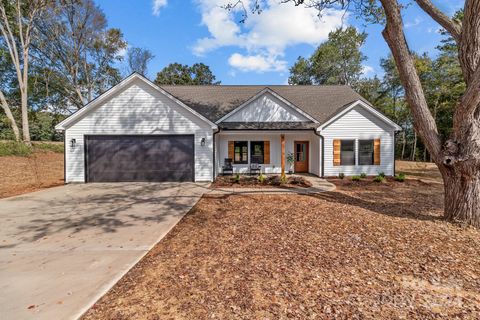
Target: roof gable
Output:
[
  {"x": 216, "y": 101},
  {"x": 267, "y": 106},
  {"x": 115, "y": 90},
  {"x": 359, "y": 103}
]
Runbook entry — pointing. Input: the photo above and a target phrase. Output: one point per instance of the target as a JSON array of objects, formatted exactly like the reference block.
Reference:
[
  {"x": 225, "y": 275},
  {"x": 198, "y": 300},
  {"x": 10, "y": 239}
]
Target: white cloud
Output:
[
  {"x": 157, "y": 5},
  {"x": 264, "y": 37},
  {"x": 414, "y": 23},
  {"x": 257, "y": 63},
  {"x": 366, "y": 70}
]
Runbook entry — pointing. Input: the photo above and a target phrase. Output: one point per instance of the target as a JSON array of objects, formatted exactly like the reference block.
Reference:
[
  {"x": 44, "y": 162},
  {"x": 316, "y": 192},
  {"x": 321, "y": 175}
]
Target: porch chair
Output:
[
  {"x": 255, "y": 168},
  {"x": 227, "y": 168}
]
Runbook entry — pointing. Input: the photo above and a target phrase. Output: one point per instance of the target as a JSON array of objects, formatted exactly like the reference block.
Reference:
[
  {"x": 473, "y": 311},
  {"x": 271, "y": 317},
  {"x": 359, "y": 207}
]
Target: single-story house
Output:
[{"x": 138, "y": 131}]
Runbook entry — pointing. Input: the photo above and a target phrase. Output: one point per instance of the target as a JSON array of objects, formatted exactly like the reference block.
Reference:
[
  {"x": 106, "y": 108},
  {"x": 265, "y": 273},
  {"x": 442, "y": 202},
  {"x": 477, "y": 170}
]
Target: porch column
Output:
[{"x": 282, "y": 141}]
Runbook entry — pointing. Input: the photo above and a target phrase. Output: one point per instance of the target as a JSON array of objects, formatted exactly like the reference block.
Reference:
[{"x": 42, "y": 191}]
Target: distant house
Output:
[{"x": 138, "y": 131}]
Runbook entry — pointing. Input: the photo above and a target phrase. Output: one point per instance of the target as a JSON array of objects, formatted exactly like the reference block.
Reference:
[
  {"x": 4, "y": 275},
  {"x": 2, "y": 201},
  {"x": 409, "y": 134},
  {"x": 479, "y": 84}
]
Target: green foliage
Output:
[
  {"x": 283, "y": 179},
  {"x": 363, "y": 175},
  {"x": 400, "y": 177},
  {"x": 381, "y": 174},
  {"x": 379, "y": 178},
  {"x": 179, "y": 74},
  {"x": 341, "y": 175},
  {"x": 237, "y": 178},
  {"x": 301, "y": 72},
  {"x": 13, "y": 148},
  {"x": 336, "y": 61},
  {"x": 262, "y": 178},
  {"x": 356, "y": 178}
]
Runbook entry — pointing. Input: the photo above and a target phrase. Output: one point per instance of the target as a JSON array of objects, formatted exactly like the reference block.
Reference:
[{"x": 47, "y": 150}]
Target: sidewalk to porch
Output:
[{"x": 319, "y": 185}]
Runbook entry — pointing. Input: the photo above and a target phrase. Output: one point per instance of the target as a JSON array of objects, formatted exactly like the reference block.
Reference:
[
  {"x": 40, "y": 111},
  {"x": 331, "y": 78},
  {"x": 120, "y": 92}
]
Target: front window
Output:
[
  {"x": 365, "y": 152},
  {"x": 347, "y": 153},
  {"x": 256, "y": 152},
  {"x": 241, "y": 152}
]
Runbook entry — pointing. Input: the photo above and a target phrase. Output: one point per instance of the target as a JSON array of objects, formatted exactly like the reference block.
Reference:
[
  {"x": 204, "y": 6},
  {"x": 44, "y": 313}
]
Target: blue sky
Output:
[{"x": 259, "y": 51}]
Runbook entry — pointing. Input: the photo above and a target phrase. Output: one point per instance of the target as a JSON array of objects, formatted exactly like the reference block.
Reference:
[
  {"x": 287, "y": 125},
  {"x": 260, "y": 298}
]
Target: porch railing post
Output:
[{"x": 282, "y": 140}]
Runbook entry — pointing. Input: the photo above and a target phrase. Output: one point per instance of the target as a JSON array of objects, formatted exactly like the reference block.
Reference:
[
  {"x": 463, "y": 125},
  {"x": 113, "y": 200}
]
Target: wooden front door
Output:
[{"x": 301, "y": 156}]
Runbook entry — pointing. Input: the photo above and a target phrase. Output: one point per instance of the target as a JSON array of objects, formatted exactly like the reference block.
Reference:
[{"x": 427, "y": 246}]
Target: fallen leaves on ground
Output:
[
  {"x": 26, "y": 174},
  {"x": 366, "y": 251}
]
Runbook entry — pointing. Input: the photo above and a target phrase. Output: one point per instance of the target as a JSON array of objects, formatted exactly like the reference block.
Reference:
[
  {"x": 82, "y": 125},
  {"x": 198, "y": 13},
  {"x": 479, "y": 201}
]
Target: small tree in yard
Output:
[{"x": 458, "y": 156}]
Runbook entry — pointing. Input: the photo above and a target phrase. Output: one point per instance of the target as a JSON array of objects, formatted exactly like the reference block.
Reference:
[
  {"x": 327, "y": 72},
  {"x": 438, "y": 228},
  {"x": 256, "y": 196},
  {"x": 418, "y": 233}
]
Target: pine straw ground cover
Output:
[{"x": 366, "y": 251}]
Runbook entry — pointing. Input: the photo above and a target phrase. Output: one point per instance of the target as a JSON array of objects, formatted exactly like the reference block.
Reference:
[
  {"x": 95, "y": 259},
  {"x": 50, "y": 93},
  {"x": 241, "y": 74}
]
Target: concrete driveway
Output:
[{"x": 63, "y": 248}]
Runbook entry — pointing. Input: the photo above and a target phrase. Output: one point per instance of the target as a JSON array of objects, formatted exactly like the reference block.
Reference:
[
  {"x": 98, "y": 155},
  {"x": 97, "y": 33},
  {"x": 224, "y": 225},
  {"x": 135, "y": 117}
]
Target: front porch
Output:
[{"x": 270, "y": 149}]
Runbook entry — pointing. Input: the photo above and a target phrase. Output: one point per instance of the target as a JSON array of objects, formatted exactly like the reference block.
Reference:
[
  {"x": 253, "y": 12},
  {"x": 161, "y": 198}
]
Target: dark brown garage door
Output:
[{"x": 139, "y": 158}]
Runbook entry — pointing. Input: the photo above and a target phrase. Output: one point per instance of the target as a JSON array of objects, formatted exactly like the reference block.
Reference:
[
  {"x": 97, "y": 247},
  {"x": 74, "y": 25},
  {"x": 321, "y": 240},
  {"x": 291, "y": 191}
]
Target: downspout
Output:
[
  {"x": 323, "y": 151},
  {"x": 214, "y": 151}
]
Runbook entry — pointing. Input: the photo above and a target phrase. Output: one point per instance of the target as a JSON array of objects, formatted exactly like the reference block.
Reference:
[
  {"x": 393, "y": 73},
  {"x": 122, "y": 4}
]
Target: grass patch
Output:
[
  {"x": 48, "y": 146},
  {"x": 20, "y": 149},
  {"x": 14, "y": 148}
]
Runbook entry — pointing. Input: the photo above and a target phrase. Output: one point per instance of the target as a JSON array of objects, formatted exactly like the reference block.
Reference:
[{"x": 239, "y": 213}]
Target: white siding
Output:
[
  {"x": 275, "y": 149},
  {"x": 266, "y": 108},
  {"x": 139, "y": 109},
  {"x": 358, "y": 124}
]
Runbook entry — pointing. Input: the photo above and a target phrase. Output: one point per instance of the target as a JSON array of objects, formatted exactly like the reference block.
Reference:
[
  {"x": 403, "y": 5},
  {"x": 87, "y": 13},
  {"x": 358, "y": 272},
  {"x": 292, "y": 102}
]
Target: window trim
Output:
[{"x": 243, "y": 143}]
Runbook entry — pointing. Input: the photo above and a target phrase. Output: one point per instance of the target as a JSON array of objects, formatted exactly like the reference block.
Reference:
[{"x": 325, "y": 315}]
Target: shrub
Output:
[
  {"x": 400, "y": 177},
  {"x": 237, "y": 178},
  {"x": 14, "y": 148},
  {"x": 356, "y": 178},
  {"x": 274, "y": 180},
  {"x": 379, "y": 178},
  {"x": 363, "y": 175},
  {"x": 262, "y": 178},
  {"x": 381, "y": 174},
  {"x": 341, "y": 175},
  {"x": 283, "y": 179},
  {"x": 53, "y": 147}
]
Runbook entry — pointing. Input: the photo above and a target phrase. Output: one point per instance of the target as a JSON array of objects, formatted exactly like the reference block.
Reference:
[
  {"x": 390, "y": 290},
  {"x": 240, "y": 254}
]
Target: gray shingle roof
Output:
[
  {"x": 268, "y": 125},
  {"x": 214, "y": 102}
]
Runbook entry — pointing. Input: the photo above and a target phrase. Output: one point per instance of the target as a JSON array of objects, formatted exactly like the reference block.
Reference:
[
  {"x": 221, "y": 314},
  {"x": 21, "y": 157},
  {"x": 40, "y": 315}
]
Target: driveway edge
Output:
[{"x": 104, "y": 290}]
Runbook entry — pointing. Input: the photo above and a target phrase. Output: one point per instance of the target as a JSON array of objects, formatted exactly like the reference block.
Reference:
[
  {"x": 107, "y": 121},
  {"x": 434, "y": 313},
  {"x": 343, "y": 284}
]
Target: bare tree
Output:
[
  {"x": 17, "y": 24},
  {"x": 138, "y": 59},
  {"x": 457, "y": 157},
  {"x": 79, "y": 49}
]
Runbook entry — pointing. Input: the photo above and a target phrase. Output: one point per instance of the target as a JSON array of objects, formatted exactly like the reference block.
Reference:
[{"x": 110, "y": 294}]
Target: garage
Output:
[{"x": 139, "y": 158}]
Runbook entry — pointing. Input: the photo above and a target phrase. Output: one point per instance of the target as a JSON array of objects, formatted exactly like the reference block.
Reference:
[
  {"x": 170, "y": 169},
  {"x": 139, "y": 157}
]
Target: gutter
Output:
[
  {"x": 322, "y": 174},
  {"x": 214, "y": 162}
]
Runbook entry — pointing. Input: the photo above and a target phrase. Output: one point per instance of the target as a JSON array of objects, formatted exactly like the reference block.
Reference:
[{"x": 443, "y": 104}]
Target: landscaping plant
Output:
[
  {"x": 363, "y": 175},
  {"x": 356, "y": 178},
  {"x": 341, "y": 175},
  {"x": 262, "y": 178},
  {"x": 400, "y": 177},
  {"x": 379, "y": 178}
]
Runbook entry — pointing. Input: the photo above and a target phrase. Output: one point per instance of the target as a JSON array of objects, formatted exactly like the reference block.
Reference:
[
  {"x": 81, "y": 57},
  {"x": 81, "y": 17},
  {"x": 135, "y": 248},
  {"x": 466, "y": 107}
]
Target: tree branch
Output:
[
  {"x": 424, "y": 123},
  {"x": 470, "y": 101},
  {"x": 451, "y": 26}
]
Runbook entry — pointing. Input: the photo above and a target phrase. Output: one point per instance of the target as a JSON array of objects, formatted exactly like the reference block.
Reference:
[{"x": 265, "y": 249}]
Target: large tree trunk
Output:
[
  {"x": 459, "y": 157},
  {"x": 462, "y": 197}
]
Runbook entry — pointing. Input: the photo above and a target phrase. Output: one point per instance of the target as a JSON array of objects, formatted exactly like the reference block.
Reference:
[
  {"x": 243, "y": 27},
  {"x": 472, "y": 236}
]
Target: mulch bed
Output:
[
  {"x": 20, "y": 175},
  {"x": 378, "y": 251},
  {"x": 254, "y": 182}
]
